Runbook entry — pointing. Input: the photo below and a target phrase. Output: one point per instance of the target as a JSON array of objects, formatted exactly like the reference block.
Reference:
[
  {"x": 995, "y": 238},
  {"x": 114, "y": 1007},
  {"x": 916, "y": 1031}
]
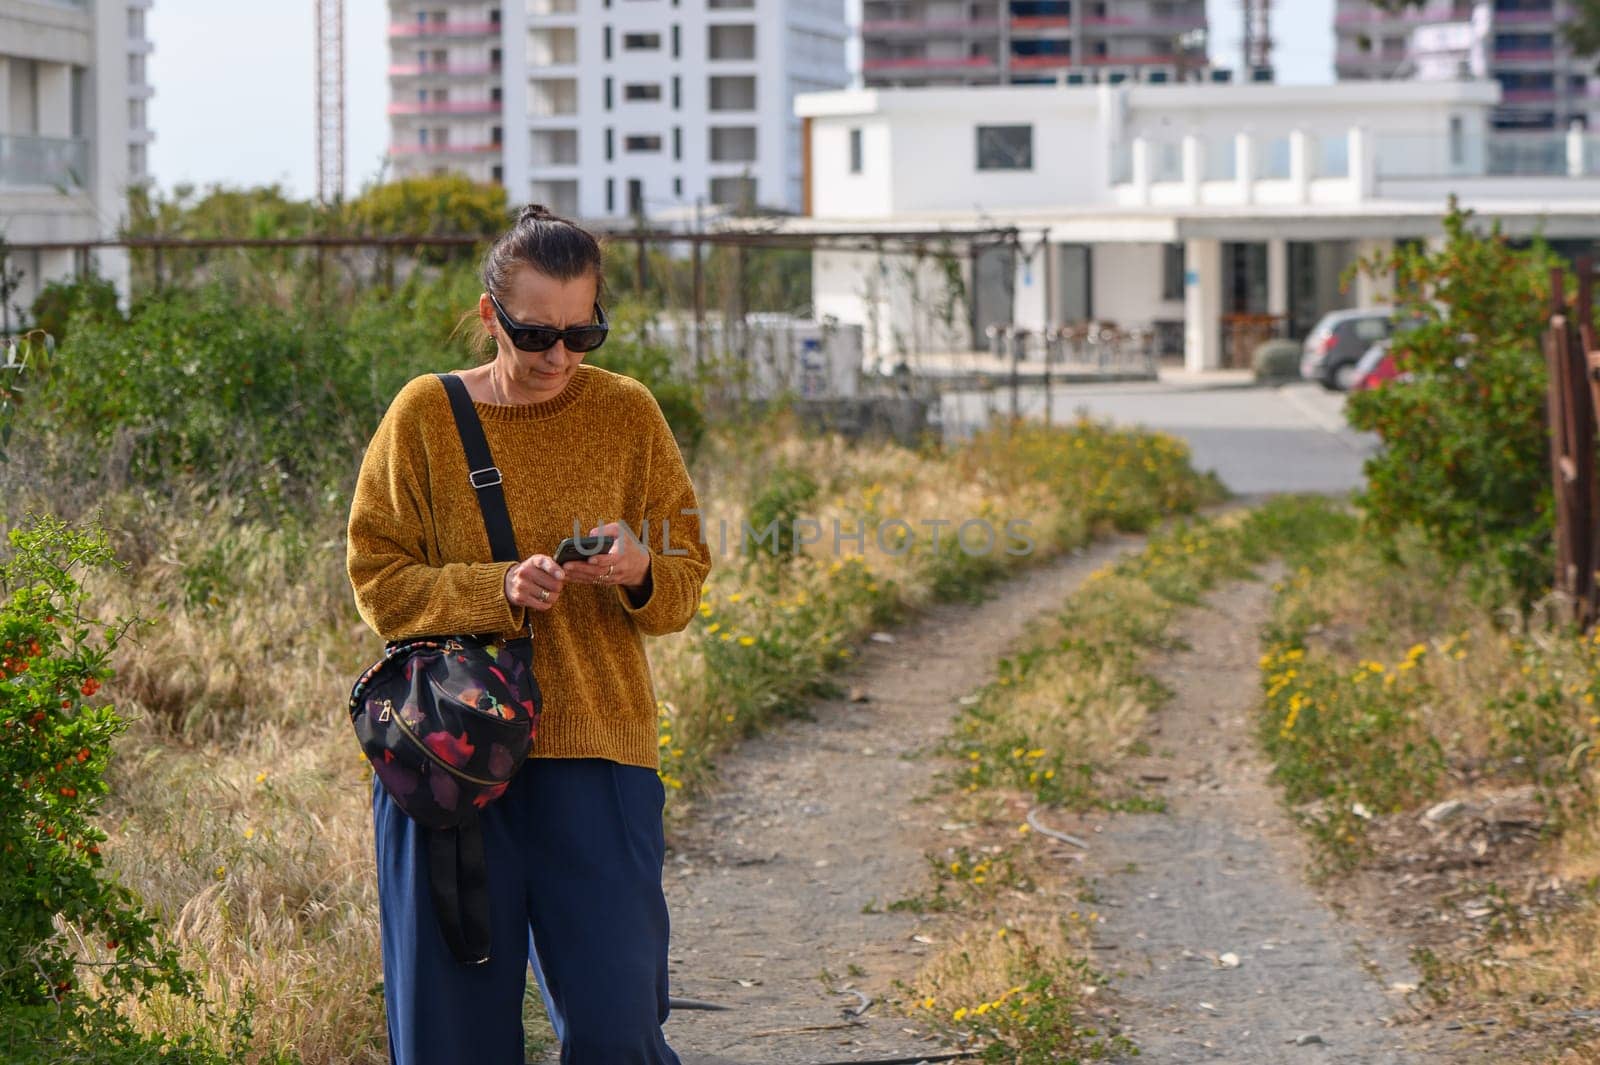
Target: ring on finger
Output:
[
  {"x": 544, "y": 594},
  {"x": 609, "y": 569}
]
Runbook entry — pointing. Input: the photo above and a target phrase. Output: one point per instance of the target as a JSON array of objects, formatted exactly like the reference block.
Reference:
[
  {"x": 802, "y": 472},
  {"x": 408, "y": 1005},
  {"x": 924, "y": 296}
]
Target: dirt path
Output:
[
  {"x": 811, "y": 824},
  {"x": 1221, "y": 874}
]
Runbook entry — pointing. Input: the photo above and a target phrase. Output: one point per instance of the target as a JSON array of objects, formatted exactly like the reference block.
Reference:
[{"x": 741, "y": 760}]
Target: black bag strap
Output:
[
  {"x": 458, "y": 875},
  {"x": 482, "y": 472},
  {"x": 457, "y": 870}
]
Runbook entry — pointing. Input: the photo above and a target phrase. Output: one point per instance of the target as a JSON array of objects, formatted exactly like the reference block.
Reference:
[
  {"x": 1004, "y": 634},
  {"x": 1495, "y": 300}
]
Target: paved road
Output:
[{"x": 1289, "y": 438}]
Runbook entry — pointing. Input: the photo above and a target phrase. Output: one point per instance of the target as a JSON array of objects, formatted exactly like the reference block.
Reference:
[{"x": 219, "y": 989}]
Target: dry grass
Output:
[
  {"x": 1480, "y": 702},
  {"x": 240, "y": 801}
]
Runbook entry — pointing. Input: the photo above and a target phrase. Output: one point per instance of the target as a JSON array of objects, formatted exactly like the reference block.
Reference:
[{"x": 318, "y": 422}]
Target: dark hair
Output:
[{"x": 554, "y": 246}]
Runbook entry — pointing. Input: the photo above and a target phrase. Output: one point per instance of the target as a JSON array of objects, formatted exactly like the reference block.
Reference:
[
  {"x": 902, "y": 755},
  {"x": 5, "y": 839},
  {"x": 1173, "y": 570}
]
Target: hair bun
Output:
[{"x": 535, "y": 212}]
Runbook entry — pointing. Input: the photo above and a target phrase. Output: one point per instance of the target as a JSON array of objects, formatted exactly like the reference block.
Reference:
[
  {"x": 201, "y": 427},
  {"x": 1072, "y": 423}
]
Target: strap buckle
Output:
[{"x": 487, "y": 477}]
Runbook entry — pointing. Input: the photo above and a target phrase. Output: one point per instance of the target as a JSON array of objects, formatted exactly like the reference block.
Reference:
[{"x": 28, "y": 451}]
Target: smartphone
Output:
[{"x": 583, "y": 548}]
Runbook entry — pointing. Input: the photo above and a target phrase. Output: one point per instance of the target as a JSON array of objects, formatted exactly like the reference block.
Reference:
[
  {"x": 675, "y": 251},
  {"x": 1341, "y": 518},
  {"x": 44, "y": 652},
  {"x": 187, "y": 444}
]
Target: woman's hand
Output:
[
  {"x": 535, "y": 583},
  {"x": 627, "y": 563}
]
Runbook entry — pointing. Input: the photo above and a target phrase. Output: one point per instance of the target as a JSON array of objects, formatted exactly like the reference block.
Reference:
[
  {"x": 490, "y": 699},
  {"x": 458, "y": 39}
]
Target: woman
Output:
[{"x": 575, "y": 843}]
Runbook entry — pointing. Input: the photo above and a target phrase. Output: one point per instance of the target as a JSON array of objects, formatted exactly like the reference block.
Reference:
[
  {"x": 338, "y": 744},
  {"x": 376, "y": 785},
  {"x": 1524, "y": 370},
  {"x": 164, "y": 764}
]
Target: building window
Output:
[
  {"x": 677, "y": 41},
  {"x": 642, "y": 92},
  {"x": 642, "y": 142},
  {"x": 611, "y": 186},
  {"x": 730, "y": 42},
  {"x": 1005, "y": 147},
  {"x": 610, "y": 143},
  {"x": 855, "y": 151},
  {"x": 605, "y": 37},
  {"x": 635, "y": 197},
  {"x": 677, "y": 92},
  {"x": 677, "y": 142},
  {"x": 677, "y": 184},
  {"x": 641, "y": 42},
  {"x": 732, "y": 92},
  {"x": 607, "y": 89},
  {"x": 739, "y": 192},
  {"x": 733, "y": 144},
  {"x": 1172, "y": 272},
  {"x": 497, "y": 174},
  {"x": 497, "y": 135},
  {"x": 1457, "y": 141}
]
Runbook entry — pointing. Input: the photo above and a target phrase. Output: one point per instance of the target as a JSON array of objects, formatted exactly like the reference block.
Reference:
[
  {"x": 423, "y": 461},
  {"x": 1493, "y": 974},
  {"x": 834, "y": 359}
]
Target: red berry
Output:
[{"x": 90, "y": 686}]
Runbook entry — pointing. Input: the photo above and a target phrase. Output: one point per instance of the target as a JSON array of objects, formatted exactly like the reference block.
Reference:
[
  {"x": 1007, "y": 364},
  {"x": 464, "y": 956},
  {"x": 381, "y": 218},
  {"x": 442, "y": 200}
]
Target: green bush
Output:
[
  {"x": 779, "y": 504},
  {"x": 58, "y": 301},
  {"x": 55, "y": 741},
  {"x": 1466, "y": 450}
]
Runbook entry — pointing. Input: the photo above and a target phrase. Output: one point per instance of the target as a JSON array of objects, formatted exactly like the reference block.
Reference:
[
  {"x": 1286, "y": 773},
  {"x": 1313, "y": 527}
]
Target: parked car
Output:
[
  {"x": 1335, "y": 346},
  {"x": 1376, "y": 367}
]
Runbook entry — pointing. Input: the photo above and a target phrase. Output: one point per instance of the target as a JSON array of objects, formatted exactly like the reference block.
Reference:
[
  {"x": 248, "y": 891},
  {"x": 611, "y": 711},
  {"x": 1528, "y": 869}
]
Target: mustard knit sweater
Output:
[{"x": 600, "y": 451}]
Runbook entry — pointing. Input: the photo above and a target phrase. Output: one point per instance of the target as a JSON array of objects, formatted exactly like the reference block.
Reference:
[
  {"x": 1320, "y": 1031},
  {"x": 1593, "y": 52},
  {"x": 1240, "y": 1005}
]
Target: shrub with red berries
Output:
[{"x": 58, "y": 1003}]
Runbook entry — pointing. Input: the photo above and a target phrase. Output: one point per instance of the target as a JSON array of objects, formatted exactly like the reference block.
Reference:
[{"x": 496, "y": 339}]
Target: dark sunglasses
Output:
[{"x": 578, "y": 339}]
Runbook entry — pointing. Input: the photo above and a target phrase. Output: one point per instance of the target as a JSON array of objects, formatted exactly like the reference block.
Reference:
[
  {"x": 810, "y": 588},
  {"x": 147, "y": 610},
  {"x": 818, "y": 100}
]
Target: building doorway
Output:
[{"x": 1316, "y": 281}]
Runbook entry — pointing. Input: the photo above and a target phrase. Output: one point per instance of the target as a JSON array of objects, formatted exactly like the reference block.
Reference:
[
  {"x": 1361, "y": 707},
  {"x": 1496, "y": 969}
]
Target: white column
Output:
[
  {"x": 516, "y": 151},
  {"x": 1194, "y": 167},
  {"x": 1278, "y": 276},
  {"x": 1244, "y": 166},
  {"x": 1141, "y": 169},
  {"x": 1202, "y": 305},
  {"x": 1363, "y": 167},
  {"x": 1374, "y": 291},
  {"x": 1575, "y": 161},
  {"x": 55, "y": 99},
  {"x": 1300, "y": 165}
]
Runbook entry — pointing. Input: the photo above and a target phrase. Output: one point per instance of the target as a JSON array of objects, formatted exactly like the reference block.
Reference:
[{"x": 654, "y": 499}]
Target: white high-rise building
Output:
[
  {"x": 72, "y": 133},
  {"x": 139, "y": 93},
  {"x": 606, "y": 108},
  {"x": 909, "y": 43},
  {"x": 1519, "y": 43}
]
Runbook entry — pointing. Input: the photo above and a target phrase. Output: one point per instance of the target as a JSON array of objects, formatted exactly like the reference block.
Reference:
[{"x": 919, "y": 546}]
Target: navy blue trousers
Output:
[{"x": 574, "y": 851}]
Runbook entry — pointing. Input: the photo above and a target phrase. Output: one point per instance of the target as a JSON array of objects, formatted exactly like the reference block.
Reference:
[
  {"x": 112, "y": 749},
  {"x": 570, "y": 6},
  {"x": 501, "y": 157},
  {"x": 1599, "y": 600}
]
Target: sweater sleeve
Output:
[
  {"x": 679, "y": 556},
  {"x": 397, "y": 591}
]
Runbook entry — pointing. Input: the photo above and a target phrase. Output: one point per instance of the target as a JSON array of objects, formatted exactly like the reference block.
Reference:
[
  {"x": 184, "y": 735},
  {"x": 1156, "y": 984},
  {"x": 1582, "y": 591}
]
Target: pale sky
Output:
[{"x": 234, "y": 89}]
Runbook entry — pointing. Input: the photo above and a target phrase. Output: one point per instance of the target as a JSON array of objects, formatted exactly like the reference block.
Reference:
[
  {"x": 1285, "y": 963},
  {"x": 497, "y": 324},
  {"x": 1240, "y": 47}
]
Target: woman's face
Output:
[{"x": 533, "y": 298}]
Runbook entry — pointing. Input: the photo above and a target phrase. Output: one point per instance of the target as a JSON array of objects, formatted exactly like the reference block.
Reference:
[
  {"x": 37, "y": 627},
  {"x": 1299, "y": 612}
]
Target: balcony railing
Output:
[
  {"x": 442, "y": 149},
  {"x": 1143, "y": 25},
  {"x": 1524, "y": 55},
  {"x": 1040, "y": 22},
  {"x": 1375, "y": 17},
  {"x": 937, "y": 25},
  {"x": 444, "y": 29},
  {"x": 49, "y": 162},
  {"x": 1524, "y": 17},
  {"x": 458, "y": 70},
  {"x": 445, "y": 107},
  {"x": 931, "y": 63},
  {"x": 1035, "y": 62}
]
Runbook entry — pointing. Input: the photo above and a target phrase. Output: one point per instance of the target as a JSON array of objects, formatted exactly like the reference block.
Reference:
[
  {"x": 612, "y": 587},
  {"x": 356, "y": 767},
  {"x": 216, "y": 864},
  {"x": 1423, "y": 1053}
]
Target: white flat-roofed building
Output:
[
  {"x": 66, "y": 154},
  {"x": 611, "y": 107},
  {"x": 1166, "y": 206}
]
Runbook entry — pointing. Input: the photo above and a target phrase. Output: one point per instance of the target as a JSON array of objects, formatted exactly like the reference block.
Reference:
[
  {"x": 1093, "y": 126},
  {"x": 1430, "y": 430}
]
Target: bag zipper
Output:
[{"x": 405, "y": 728}]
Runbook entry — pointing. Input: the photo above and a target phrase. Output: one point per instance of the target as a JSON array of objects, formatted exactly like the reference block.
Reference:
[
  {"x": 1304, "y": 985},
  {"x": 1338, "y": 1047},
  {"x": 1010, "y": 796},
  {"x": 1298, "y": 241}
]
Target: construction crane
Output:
[
  {"x": 1257, "y": 36},
  {"x": 330, "y": 100}
]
